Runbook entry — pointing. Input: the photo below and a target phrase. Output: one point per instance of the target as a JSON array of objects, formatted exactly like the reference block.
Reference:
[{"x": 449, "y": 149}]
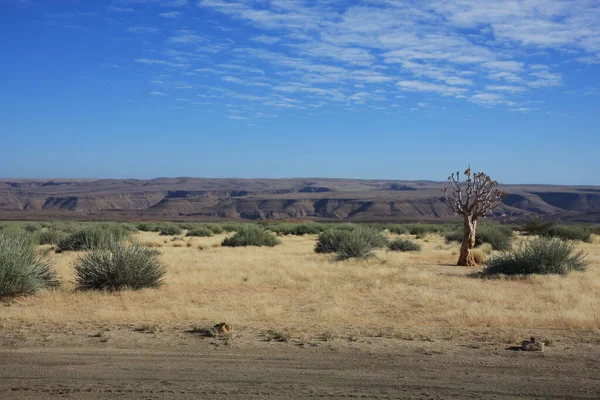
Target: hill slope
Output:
[{"x": 334, "y": 199}]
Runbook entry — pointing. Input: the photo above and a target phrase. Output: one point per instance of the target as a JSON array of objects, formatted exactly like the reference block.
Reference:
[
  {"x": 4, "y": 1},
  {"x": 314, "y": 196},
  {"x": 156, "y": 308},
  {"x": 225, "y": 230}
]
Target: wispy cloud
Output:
[
  {"x": 171, "y": 14},
  {"x": 305, "y": 54},
  {"x": 142, "y": 29}
]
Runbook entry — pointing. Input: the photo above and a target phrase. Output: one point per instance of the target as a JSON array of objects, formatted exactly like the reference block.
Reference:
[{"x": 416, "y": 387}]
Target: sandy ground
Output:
[{"x": 125, "y": 364}]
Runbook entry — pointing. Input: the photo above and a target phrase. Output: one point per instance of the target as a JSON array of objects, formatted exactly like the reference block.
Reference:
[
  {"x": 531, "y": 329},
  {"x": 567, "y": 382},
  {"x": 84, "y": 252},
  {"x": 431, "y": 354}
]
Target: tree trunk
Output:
[{"x": 466, "y": 257}]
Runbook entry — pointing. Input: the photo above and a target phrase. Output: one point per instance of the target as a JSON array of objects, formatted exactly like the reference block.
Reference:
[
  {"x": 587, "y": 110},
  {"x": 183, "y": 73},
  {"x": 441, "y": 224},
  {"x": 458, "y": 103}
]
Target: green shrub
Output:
[
  {"x": 51, "y": 237},
  {"x": 541, "y": 256},
  {"x": 537, "y": 227},
  {"x": 351, "y": 243},
  {"x": 94, "y": 237},
  {"x": 397, "y": 229},
  {"x": 296, "y": 229},
  {"x": 360, "y": 243},
  {"x": 454, "y": 236},
  {"x": 330, "y": 240},
  {"x": 32, "y": 228},
  {"x": 215, "y": 228},
  {"x": 569, "y": 232},
  {"x": 422, "y": 229},
  {"x": 200, "y": 231},
  {"x": 22, "y": 272},
  {"x": 499, "y": 237},
  {"x": 251, "y": 235},
  {"x": 170, "y": 230},
  {"x": 403, "y": 245},
  {"x": 119, "y": 266},
  {"x": 233, "y": 227},
  {"x": 147, "y": 227}
]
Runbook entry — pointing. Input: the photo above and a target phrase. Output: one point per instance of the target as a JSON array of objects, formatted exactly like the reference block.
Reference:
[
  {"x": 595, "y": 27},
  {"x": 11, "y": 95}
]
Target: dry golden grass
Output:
[{"x": 289, "y": 286}]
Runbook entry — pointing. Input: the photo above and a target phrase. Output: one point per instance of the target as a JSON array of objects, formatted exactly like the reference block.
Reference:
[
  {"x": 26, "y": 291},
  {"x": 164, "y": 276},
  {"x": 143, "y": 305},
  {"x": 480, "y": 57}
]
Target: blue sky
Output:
[{"x": 289, "y": 88}]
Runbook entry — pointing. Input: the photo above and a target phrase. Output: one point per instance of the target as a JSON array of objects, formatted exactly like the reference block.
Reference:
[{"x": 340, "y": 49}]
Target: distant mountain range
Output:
[{"x": 255, "y": 199}]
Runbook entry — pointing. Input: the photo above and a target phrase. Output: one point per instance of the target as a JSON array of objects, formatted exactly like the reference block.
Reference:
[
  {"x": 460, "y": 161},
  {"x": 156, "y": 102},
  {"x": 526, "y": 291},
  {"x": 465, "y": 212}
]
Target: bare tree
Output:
[{"x": 476, "y": 197}]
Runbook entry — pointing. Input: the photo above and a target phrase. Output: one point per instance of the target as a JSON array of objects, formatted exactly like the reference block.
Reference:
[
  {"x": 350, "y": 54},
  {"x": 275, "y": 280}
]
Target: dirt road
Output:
[{"x": 405, "y": 370}]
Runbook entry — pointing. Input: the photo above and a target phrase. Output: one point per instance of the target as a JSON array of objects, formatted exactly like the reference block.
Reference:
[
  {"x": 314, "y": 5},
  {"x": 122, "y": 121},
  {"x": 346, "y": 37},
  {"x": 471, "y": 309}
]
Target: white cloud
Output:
[
  {"x": 186, "y": 36},
  {"x": 421, "y": 86},
  {"x": 157, "y": 93},
  {"x": 142, "y": 29},
  {"x": 505, "y": 88},
  {"x": 265, "y": 39},
  {"x": 161, "y": 62},
  {"x": 544, "y": 79},
  {"x": 171, "y": 14}
]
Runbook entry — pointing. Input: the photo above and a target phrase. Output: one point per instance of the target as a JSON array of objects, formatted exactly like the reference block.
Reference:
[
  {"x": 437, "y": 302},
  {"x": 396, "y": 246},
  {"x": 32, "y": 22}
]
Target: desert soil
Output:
[{"x": 122, "y": 363}]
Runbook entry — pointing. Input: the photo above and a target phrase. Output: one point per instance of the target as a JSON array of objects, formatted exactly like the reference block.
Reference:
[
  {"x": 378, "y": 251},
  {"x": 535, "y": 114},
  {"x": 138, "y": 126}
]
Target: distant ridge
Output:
[{"x": 256, "y": 199}]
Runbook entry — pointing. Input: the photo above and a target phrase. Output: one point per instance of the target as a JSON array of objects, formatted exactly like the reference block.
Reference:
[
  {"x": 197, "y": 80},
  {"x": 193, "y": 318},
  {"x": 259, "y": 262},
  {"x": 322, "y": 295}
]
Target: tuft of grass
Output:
[
  {"x": 542, "y": 256},
  {"x": 251, "y": 235},
  {"x": 22, "y": 272},
  {"x": 200, "y": 232},
  {"x": 119, "y": 266},
  {"x": 170, "y": 230},
  {"x": 403, "y": 245},
  {"x": 94, "y": 237}
]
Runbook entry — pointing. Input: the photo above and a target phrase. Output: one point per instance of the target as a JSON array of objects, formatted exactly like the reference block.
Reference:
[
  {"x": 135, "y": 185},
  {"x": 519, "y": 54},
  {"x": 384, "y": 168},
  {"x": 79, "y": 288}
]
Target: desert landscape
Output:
[
  {"x": 297, "y": 199},
  {"x": 385, "y": 319}
]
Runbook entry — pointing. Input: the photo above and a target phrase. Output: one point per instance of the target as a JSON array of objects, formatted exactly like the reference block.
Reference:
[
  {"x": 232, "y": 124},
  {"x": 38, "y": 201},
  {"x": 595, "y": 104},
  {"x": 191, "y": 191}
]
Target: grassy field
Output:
[{"x": 290, "y": 288}]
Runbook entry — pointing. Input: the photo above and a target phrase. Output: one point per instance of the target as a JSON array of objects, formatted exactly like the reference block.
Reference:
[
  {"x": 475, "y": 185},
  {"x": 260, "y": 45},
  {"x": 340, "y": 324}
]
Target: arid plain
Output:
[{"x": 388, "y": 322}]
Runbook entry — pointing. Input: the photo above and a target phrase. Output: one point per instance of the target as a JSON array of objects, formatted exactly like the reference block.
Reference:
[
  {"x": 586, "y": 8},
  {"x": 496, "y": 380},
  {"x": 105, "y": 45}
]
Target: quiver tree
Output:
[{"x": 476, "y": 197}]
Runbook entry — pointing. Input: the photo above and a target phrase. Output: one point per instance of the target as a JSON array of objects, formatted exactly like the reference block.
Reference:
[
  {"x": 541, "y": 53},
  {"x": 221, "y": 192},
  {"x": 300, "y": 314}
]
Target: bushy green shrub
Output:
[
  {"x": 403, "y": 245},
  {"x": 351, "y": 243},
  {"x": 541, "y": 256},
  {"x": 119, "y": 266},
  {"x": 251, "y": 235},
  {"x": 170, "y": 230},
  {"x": 215, "y": 228},
  {"x": 423, "y": 229},
  {"x": 360, "y": 243},
  {"x": 148, "y": 227},
  {"x": 233, "y": 226},
  {"x": 50, "y": 237},
  {"x": 22, "y": 272},
  {"x": 397, "y": 229},
  {"x": 94, "y": 237},
  {"x": 296, "y": 229},
  {"x": 200, "y": 231},
  {"x": 31, "y": 227},
  {"x": 499, "y": 237},
  {"x": 569, "y": 232},
  {"x": 537, "y": 226}
]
